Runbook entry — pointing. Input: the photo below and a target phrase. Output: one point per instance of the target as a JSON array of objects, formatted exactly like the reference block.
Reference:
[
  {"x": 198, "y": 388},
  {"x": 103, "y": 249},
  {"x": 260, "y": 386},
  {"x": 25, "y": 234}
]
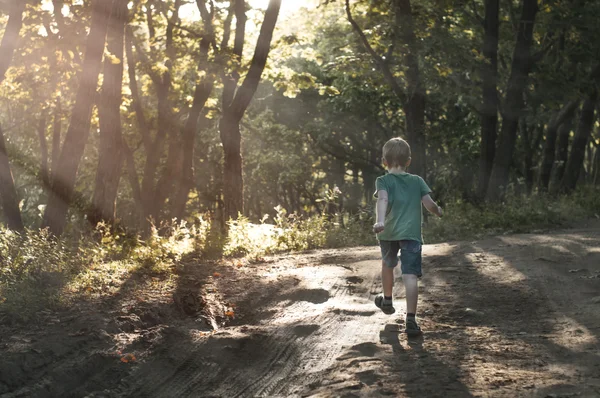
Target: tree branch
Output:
[
  {"x": 387, "y": 73},
  {"x": 261, "y": 53}
]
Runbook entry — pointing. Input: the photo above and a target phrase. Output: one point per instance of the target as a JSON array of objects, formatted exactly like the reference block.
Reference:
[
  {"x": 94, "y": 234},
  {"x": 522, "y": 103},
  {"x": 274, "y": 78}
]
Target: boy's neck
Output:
[{"x": 397, "y": 170}]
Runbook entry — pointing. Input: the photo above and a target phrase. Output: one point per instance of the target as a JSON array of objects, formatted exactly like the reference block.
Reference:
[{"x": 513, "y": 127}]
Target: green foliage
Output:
[
  {"x": 39, "y": 272},
  {"x": 34, "y": 268},
  {"x": 518, "y": 214}
]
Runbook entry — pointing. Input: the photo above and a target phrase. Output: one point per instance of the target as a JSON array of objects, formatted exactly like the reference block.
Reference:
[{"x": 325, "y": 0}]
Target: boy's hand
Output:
[{"x": 378, "y": 227}]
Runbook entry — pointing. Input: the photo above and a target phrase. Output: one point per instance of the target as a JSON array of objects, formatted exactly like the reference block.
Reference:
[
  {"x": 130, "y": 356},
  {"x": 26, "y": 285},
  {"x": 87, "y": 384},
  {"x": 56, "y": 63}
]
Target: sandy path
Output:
[{"x": 513, "y": 316}]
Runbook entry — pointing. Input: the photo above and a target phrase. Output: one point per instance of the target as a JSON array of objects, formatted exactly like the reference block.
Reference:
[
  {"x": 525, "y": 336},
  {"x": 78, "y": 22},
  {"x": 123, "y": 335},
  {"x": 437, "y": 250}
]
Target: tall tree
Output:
[
  {"x": 165, "y": 127},
  {"x": 10, "y": 39},
  {"x": 550, "y": 146},
  {"x": 203, "y": 90},
  {"x": 489, "y": 108},
  {"x": 580, "y": 141},
  {"x": 235, "y": 103},
  {"x": 64, "y": 176},
  {"x": 110, "y": 160},
  {"x": 513, "y": 104},
  {"x": 562, "y": 153},
  {"x": 8, "y": 192}
]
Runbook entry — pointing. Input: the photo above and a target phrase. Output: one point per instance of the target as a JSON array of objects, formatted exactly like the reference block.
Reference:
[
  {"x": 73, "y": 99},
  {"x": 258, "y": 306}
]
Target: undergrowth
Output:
[{"x": 39, "y": 272}]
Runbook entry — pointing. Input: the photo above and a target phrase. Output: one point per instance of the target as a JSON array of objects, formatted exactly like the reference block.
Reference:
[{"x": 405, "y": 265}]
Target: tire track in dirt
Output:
[
  {"x": 340, "y": 325},
  {"x": 283, "y": 354}
]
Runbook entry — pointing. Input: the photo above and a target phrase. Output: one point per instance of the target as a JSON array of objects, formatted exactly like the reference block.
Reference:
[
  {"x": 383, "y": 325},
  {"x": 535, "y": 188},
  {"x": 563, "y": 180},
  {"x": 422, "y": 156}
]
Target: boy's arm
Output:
[
  {"x": 380, "y": 210},
  {"x": 431, "y": 206}
]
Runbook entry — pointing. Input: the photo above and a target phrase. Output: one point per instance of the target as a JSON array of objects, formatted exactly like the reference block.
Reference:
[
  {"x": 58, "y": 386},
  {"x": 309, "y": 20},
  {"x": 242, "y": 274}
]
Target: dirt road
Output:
[{"x": 513, "y": 316}]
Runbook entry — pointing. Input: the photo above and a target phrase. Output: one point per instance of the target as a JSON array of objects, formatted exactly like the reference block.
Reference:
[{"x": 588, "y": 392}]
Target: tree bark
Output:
[
  {"x": 10, "y": 39},
  {"x": 110, "y": 160},
  {"x": 63, "y": 179},
  {"x": 550, "y": 146},
  {"x": 8, "y": 192},
  {"x": 520, "y": 68},
  {"x": 233, "y": 187},
  {"x": 489, "y": 109},
  {"x": 580, "y": 141},
  {"x": 233, "y": 183}
]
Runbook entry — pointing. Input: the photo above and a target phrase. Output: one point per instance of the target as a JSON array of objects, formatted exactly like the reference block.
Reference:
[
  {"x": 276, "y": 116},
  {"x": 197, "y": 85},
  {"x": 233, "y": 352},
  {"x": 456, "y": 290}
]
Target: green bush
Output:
[{"x": 517, "y": 214}]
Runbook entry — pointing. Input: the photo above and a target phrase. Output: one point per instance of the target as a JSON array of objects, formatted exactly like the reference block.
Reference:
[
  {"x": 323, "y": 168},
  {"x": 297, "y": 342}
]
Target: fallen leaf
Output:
[
  {"x": 216, "y": 274},
  {"x": 229, "y": 314},
  {"x": 128, "y": 358}
]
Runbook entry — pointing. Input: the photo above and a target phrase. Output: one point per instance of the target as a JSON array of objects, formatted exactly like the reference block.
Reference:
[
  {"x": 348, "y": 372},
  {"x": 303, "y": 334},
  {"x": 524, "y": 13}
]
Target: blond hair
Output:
[{"x": 396, "y": 152}]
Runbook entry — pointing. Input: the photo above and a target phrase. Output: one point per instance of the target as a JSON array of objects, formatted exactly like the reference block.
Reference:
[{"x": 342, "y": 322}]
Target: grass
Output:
[
  {"x": 464, "y": 221},
  {"x": 38, "y": 272}
]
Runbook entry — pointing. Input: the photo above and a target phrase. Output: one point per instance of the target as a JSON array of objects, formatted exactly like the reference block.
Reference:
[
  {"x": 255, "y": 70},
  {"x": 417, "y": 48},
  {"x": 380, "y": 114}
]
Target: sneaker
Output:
[
  {"x": 387, "y": 308},
  {"x": 412, "y": 328}
]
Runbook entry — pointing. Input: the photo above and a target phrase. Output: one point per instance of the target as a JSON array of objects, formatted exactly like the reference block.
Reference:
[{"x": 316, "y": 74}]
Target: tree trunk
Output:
[
  {"x": 596, "y": 176},
  {"x": 150, "y": 188},
  {"x": 56, "y": 133},
  {"x": 202, "y": 93},
  {"x": 233, "y": 190},
  {"x": 415, "y": 105},
  {"x": 233, "y": 183},
  {"x": 134, "y": 182},
  {"x": 10, "y": 39},
  {"x": 520, "y": 68},
  {"x": 562, "y": 153},
  {"x": 550, "y": 146},
  {"x": 8, "y": 192},
  {"x": 489, "y": 109},
  {"x": 44, "y": 170},
  {"x": 532, "y": 138},
  {"x": 110, "y": 158},
  {"x": 580, "y": 141},
  {"x": 63, "y": 178}
]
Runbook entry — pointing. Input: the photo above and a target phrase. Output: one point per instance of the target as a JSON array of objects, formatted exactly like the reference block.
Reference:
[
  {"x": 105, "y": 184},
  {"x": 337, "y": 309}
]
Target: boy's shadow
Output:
[
  {"x": 391, "y": 335},
  {"x": 411, "y": 351}
]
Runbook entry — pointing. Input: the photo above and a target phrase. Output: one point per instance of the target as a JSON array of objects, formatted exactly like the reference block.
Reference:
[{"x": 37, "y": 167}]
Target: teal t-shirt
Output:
[{"x": 404, "y": 214}]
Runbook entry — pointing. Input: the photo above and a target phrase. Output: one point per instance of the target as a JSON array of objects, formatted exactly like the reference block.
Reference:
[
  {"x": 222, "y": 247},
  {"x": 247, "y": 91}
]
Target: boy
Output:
[{"x": 398, "y": 227}]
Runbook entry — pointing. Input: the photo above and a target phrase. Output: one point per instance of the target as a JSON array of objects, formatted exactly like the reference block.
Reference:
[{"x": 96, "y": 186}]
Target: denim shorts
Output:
[{"x": 410, "y": 255}]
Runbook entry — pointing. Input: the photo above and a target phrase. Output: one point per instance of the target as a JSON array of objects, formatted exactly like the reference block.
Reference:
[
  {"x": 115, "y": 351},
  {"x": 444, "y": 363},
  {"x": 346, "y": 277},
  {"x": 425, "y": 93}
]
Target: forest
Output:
[
  {"x": 141, "y": 112},
  {"x": 187, "y": 197}
]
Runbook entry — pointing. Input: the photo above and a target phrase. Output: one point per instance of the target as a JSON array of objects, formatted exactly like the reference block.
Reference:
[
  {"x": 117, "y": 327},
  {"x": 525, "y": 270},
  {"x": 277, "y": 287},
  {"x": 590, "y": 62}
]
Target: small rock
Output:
[
  {"x": 595, "y": 300},
  {"x": 471, "y": 311}
]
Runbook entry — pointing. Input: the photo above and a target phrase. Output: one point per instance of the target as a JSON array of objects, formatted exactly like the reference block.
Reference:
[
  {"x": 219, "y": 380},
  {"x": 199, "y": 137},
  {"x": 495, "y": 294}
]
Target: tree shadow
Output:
[{"x": 532, "y": 311}]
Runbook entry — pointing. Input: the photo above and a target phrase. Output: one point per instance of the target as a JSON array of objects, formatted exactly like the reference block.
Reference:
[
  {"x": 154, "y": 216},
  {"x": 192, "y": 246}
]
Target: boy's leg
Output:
[
  {"x": 411, "y": 271},
  {"x": 411, "y": 284},
  {"x": 389, "y": 254},
  {"x": 387, "y": 279}
]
